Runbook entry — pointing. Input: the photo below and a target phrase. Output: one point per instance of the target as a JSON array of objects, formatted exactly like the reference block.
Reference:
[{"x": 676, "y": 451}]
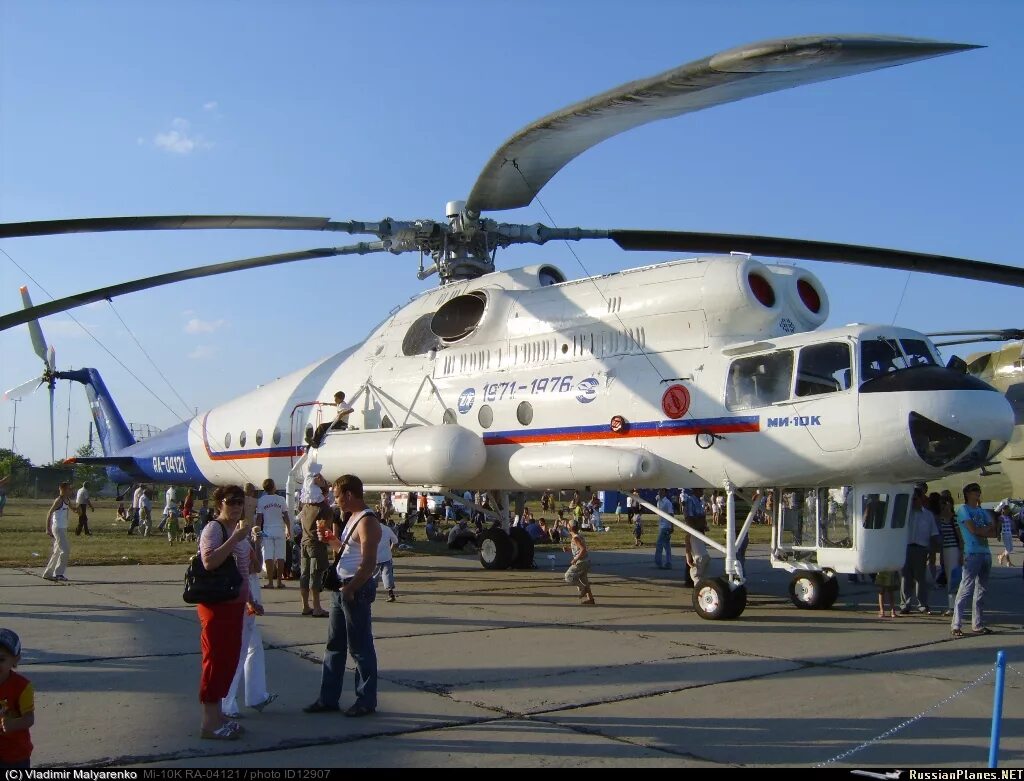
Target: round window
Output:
[
  {"x": 485, "y": 416},
  {"x": 449, "y": 416},
  {"x": 525, "y": 413},
  {"x": 277, "y": 436},
  {"x": 227, "y": 440},
  {"x": 259, "y": 437},
  {"x": 241, "y": 439}
]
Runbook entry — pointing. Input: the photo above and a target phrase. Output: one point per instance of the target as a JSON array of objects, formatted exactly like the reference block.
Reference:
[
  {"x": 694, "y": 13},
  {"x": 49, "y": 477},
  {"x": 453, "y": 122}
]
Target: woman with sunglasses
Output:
[{"x": 221, "y": 638}]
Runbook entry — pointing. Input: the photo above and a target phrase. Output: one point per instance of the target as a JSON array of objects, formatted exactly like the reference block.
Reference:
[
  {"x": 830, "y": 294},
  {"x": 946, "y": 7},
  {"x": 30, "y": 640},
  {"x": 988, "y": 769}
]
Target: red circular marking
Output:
[
  {"x": 618, "y": 424},
  {"x": 676, "y": 401}
]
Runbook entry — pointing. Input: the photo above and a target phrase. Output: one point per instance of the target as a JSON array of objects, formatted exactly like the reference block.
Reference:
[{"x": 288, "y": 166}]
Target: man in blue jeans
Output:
[
  {"x": 976, "y": 527},
  {"x": 664, "y": 532},
  {"x": 350, "y": 629}
]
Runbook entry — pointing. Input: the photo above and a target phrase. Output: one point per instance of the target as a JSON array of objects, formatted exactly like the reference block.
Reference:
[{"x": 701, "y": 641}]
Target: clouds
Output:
[
  {"x": 180, "y": 139},
  {"x": 197, "y": 326}
]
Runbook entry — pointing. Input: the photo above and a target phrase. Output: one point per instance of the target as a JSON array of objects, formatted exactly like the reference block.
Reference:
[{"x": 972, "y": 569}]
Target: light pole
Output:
[{"x": 14, "y": 423}]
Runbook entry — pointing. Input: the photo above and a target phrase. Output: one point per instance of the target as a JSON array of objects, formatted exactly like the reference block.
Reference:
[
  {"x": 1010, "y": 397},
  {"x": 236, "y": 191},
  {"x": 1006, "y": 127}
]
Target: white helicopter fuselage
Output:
[{"x": 673, "y": 374}]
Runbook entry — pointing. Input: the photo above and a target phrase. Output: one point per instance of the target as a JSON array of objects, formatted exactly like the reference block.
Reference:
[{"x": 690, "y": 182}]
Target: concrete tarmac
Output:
[{"x": 496, "y": 669}]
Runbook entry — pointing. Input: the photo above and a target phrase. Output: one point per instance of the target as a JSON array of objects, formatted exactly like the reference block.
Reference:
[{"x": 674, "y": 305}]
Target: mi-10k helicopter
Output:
[{"x": 709, "y": 372}]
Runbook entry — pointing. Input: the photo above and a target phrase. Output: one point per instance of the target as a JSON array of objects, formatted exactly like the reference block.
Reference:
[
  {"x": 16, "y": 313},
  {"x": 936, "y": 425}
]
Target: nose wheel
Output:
[
  {"x": 813, "y": 590},
  {"x": 715, "y": 600}
]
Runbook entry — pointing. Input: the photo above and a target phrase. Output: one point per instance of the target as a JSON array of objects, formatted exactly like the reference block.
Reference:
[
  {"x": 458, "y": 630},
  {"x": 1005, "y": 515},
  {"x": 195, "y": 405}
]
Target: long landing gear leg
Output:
[
  {"x": 504, "y": 547},
  {"x": 724, "y": 597}
]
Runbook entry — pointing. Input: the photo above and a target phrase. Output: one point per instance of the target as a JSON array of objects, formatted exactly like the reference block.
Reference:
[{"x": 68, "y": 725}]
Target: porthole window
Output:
[
  {"x": 485, "y": 416},
  {"x": 227, "y": 440},
  {"x": 565, "y": 348},
  {"x": 449, "y": 416},
  {"x": 259, "y": 437},
  {"x": 525, "y": 413},
  {"x": 385, "y": 422},
  {"x": 277, "y": 436},
  {"x": 241, "y": 439}
]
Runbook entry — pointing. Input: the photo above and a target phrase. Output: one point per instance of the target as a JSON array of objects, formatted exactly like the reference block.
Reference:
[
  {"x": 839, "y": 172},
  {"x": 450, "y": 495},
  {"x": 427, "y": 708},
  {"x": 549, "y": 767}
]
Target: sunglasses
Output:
[{"x": 236, "y": 500}]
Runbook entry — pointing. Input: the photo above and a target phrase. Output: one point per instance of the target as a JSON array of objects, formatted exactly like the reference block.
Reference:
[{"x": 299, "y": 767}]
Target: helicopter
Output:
[{"x": 707, "y": 372}]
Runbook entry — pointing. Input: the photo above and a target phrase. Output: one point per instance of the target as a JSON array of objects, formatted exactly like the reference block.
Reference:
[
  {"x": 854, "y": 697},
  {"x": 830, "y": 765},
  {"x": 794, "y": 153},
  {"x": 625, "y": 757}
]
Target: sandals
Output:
[
  {"x": 984, "y": 631},
  {"x": 320, "y": 614},
  {"x": 307, "y": 611},
  {"x": 957, "y": 634},
  {"x": 223, "y": 732}
]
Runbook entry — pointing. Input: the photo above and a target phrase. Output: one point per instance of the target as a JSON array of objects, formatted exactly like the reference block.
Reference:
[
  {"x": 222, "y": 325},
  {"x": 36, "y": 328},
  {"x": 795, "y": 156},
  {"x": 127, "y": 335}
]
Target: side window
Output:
[
  {"x": 759, "y": 380},
  {"x": 874, "y": 508},
  {"x": 823, "y": 368},
  {"x": 900, "y": 509}
]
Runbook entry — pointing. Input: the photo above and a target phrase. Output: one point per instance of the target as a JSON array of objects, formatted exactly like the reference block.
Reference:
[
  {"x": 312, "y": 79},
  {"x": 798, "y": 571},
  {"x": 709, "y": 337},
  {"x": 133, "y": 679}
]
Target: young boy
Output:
[{"x": 17, "y": 707}]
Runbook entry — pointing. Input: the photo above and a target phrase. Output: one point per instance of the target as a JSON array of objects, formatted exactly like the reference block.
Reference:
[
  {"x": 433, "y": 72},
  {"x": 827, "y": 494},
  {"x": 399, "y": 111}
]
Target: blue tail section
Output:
[{"x": 113, "y": 432}]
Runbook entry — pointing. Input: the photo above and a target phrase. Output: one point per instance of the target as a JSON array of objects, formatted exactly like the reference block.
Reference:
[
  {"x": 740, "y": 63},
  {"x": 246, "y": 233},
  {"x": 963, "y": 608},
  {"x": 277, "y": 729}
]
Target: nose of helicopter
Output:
[{"x": 952, "y": 422}]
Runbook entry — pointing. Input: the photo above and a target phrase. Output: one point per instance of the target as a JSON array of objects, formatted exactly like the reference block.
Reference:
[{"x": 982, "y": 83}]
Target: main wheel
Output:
[
  {"x": 712, "y": 599},
  {"x": 830, "y": 592},
  {"x": 807, "y": 590},
  {"x": 523, "y": 556},
  {"x": 496, "y": 549},
  {"x": 737, "y": 601}
]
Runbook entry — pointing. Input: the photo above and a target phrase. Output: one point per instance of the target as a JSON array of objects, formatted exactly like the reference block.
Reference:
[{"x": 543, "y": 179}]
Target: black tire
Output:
[
  {"x": 523, "y": 557},
  {"x": 737, "y": 602},
  {"x": 807, "y": 590},
  {"x": 830, "y": 592},
  {"x": 496, "y": 549},
  {"x": 711, "y": 599}
]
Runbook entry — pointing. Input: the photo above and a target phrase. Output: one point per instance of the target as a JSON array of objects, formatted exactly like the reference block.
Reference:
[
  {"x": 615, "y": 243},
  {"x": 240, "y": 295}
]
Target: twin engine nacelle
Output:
[{"x": 745, "y": 298}]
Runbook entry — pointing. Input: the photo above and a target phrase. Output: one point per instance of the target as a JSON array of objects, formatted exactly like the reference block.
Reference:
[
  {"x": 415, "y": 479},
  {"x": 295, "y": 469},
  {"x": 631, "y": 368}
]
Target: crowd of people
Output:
[{"x": 947, "y": 547}]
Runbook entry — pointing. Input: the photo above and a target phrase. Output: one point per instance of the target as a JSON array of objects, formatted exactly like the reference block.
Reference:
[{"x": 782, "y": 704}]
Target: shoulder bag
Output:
[
  {"x": 203, "y": 586},
  {"x": 329, "y": 579}
]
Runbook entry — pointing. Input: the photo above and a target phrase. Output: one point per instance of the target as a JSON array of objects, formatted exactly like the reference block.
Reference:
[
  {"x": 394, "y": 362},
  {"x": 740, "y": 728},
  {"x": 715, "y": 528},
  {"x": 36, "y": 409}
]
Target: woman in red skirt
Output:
[{"x": 221, "y": 638}]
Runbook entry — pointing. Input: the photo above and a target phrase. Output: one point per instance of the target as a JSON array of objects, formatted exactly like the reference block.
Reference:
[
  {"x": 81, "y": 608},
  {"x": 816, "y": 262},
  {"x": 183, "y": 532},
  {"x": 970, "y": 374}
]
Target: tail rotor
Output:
[{"x": 49, "y": 377}]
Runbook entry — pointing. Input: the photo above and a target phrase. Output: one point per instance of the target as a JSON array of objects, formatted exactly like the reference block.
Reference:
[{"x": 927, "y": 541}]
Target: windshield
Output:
[{"x": 883, "y": 355}]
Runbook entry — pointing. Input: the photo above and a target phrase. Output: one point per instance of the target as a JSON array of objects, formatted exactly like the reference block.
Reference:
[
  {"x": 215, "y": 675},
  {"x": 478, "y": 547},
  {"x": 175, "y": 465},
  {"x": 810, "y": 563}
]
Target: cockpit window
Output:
[
  {"x": 759, "y": 380},
  {"x": 881, "y": 356},
  {"x": 917, "y": 352},
  {"x": 823, "y": 368}
]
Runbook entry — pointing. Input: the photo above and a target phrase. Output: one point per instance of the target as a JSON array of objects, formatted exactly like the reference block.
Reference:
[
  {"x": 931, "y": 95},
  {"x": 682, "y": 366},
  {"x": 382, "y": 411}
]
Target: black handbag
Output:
[{"x": 203, "y": 586}]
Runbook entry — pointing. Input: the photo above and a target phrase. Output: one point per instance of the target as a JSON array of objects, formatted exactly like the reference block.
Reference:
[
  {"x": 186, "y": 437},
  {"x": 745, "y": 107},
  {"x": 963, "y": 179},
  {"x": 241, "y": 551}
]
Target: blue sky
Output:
[{"x": 361, "y": 110}]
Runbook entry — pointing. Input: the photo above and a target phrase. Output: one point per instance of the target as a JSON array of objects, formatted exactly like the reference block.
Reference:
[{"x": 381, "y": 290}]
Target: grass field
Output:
[{"x": 23, "y": 540}]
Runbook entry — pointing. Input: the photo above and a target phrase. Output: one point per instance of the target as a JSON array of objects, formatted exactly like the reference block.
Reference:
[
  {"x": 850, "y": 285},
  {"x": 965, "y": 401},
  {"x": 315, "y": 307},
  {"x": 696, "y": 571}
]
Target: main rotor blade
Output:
[
  {"x": 34, "y": 331},
  {"x": 105, "y": 293},
  {"x": 22, "y": 390},
  {"x": 528, "y": 160},
  {"x": 12, "y": 230},
  {"x": 802, "y": 249}
]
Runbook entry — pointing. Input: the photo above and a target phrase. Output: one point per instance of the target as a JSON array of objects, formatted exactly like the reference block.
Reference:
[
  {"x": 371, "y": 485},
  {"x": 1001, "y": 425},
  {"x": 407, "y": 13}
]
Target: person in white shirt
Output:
[
  {"x": 313, "y": 551},
  {"x": 57, "y": 529},
  {"x": 136, "y": 507},
  {"x": 385, "y": 560},
  {"x": 83, "y": 502},
  {"x": 340, "y": 422},
  {"x": 145, "y": 512},
  {"x": 272, "y": 517},
  {"x": 170, "y": 506}
]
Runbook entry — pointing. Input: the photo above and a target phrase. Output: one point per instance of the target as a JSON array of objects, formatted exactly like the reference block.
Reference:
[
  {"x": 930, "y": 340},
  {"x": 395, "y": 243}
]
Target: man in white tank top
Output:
[{"x": 350, "y": 627}]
